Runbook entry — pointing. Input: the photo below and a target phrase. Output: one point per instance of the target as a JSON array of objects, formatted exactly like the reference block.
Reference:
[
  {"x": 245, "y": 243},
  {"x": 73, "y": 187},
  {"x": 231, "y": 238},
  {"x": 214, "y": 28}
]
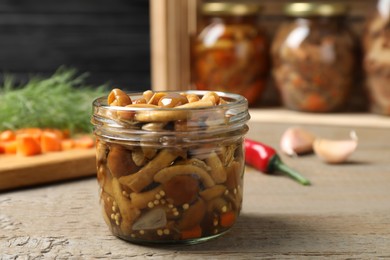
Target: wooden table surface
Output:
[{"x": 345, "y": 214}]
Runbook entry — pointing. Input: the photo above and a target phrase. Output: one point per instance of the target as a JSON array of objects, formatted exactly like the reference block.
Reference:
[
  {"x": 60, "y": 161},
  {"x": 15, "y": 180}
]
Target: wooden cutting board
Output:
[{"x": 17, "y": 171}]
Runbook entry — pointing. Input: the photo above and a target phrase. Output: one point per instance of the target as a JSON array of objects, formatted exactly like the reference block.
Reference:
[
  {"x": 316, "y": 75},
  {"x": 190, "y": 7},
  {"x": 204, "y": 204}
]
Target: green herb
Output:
[{"x": 61, "y": 101}]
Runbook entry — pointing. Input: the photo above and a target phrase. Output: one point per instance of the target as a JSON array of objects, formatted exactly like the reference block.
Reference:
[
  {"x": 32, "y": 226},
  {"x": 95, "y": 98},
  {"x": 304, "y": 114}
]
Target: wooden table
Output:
[{"x": 344, "y": 214}]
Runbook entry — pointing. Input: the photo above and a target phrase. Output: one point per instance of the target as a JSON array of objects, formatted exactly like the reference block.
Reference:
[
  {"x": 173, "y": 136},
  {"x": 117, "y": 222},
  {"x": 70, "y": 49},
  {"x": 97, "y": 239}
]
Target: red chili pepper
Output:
[{"x": 265, "y": 159}]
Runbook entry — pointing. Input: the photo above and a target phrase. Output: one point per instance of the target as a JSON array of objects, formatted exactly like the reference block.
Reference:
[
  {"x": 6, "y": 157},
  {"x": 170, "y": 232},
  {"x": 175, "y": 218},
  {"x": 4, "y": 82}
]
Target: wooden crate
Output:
[{"x": 172, "y": 22}]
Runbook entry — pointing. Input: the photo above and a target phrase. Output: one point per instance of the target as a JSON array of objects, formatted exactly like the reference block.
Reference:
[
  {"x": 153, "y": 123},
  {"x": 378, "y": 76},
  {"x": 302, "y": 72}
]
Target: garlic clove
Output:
[
  {"x": 297, "y": 140},
  {"x": 335, "y": 151}
]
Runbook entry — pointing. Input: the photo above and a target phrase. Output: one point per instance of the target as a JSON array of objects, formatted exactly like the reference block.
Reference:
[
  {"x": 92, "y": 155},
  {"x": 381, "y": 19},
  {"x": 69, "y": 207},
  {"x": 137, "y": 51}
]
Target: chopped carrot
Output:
[
  {"x": 67, "y": 144},
  {"x": 31, "y": 141},
  {"x": 227, "y": 219},
  {"x": 33, "y": 131},
  {"x": 59, "y": 133},
  {"x": 194, "y": 232},
  {"x": 29, "y": 130},
  {"x": 10, "y": 147},
  {"x": 2, "y": 148},
  {"x": 27, "y": 145},
  {"x": 7, "y": 135},
  {"x": 84, "y": 141},
  {"x": 50, "y": 141}
]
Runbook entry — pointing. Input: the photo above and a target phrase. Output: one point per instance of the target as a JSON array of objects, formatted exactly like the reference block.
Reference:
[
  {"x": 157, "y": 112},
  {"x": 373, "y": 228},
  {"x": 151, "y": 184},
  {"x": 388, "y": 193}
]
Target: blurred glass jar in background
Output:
[
  {"x": 230, "y": 51},
  {"x": 376, "y": 46},
  {"x": 314, "y": 57}
]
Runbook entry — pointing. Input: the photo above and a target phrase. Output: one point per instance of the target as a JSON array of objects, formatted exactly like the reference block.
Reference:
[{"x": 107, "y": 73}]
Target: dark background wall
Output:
[{"x": 108, "y": 38}]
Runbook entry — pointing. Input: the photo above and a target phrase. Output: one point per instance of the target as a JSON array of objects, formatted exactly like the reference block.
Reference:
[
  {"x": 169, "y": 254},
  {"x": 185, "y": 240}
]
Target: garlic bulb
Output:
[
  {"x": 296, "y": 140},
  {"x": 335, "y": 151}
]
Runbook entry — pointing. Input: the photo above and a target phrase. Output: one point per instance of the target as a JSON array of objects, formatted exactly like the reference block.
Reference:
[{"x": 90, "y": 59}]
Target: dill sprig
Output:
[{"x": 61, "y": 101}]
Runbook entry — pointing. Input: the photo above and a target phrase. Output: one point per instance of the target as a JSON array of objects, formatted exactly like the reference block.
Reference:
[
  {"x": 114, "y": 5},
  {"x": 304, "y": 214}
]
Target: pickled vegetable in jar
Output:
[
  {"x": 314, "y": 57},
  {"x": 170, "y": 165},
  {"x": 377, "y": 58},
  {"x": 230, "y": 51}
]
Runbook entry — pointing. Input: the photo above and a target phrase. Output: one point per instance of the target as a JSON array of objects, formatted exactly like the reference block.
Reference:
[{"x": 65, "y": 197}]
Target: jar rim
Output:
[
  {"x": 239, "y": 100},
  {"x": 307, "y": 9},
  {"x": 236, "y": 9}
]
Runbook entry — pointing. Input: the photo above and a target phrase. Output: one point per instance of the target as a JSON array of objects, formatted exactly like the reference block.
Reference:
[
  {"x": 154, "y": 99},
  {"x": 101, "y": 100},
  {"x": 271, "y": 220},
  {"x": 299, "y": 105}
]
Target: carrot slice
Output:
[
  {"x": 7, "y": 135},
  {"x": 27, "y": 145},
  {"x": 50, "y": 142},
  {"x": 31, "y": 141},
  {"x": 227, "y": 219},
  {"x": 59, "y": 133},
  {"x": 10, "y": 147},
  {"x": 67, "y": 144},
  {"x": 194, "y": 232},
  {"x": 34, "y": 132},
  {"x": 2, "y": 148},
  {"x": 84, "y": 141}
]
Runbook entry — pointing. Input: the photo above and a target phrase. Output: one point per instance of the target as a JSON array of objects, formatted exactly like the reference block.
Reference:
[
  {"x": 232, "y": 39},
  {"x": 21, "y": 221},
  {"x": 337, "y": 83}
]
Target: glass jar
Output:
[
  {"x": 170, "y": 175},
  {"x": 230, "y": 51},
  {"x": 377, "y": 58},
  {"x": 314, "y": 57}
]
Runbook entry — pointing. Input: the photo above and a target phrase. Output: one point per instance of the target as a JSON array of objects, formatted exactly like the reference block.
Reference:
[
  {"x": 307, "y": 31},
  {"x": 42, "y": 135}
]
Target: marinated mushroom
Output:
[
  {"x": 118, "y": 98},
  {"x": 120, "y": 161},
  {"x": 181, "y": 189}
]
